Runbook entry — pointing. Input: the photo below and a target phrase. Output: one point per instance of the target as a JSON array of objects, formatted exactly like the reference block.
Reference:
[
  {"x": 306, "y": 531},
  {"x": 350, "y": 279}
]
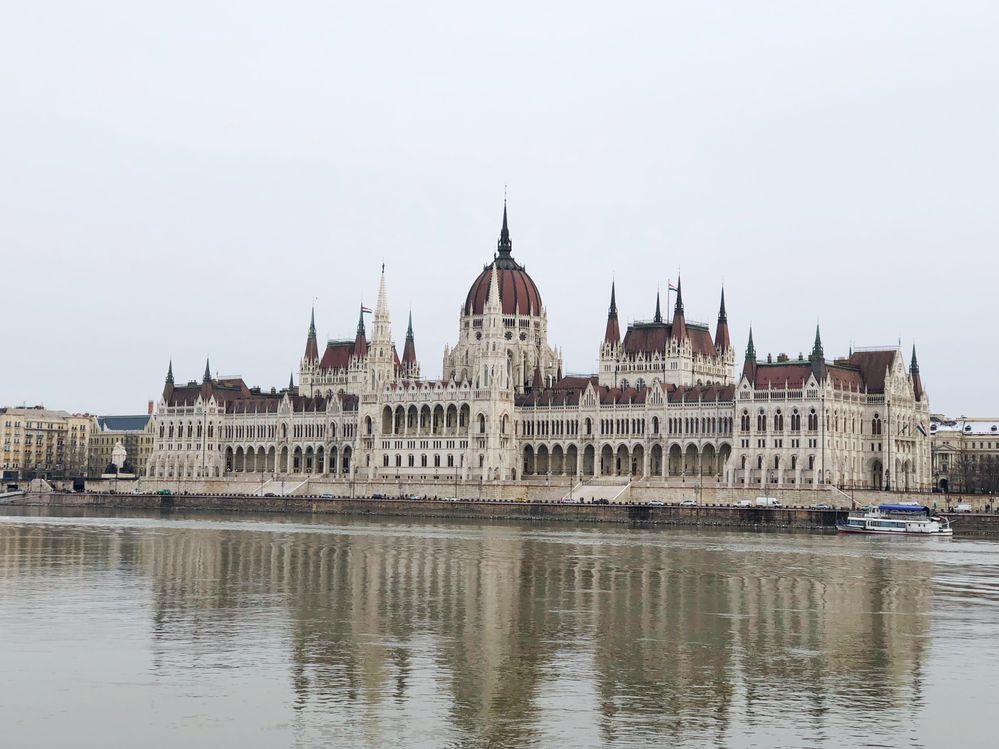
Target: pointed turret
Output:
[
  {"x": 291, "y": 382},
  {"x": 917, "y": 381},
  {"x": 679, "y": 330},
  {"x": 361, "y": 339},
  {"x": 612, "y": 334},
  {"x": 659, "y": 315},
  {"x": 168, "y": 385},
  {"x": 311, "y": 346},
  {"x": 722, "y": 341},
  {"x": 817, "y": 357},
  {"x": 208, "y": 373},
  {"x": 409, "y": 351},
  {"x": 537, "y": 383},
  {"x": 504, "y": 246},
  {"x": 749, "y": 365}
]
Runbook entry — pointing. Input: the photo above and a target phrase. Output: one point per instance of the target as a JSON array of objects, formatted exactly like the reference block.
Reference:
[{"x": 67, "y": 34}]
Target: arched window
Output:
[
  {"x": 744, "y": 421},
  {"x": 761, "y": 421},
  {"x": 482, "y": 424},
  {"x": 794, "y": 462},
  {"x": 759, "y": 462},
  {"x": 624, "y": 384},
  {"x": 639, "y": 384},
  {"x": 655, "y": 425},
  {"x": 813, "y": 421},
  {"x": 876, "y": 425},
  {"x": 589, "y": 426},
  {"x": 811, "y": 462},
  {"x": 795, "y": 421}
]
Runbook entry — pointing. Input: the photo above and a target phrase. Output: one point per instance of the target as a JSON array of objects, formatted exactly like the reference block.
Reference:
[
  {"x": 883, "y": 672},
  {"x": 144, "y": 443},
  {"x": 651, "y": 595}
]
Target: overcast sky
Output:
[{"x": 182, "y": 179}]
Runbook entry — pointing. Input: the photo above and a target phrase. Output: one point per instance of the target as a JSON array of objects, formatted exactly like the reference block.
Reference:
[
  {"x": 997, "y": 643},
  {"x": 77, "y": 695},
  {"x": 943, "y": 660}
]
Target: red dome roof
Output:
[{"x": 518, "y": 294}]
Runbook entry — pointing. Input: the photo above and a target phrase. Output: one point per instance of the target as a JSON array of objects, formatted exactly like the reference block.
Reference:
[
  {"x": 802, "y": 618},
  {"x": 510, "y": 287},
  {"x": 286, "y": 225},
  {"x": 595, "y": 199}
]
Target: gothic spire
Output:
[
  {"x": 409, "y": 350},
  {"x": 612, "y": 333},
  {"x": 817, "y": 353},
  {"x": 504, "y": 246},
  {"x": 659, "y": 315},
  {"x": 914, "y": 364},
  {"x": 749, "y": 366},
  {"x": 361, "y": 339},
  {"x": 722, "y": 341},
  {"x": 291, "y": 382},
  {"x": 208, "y": 372},
  {"x": 169, "y": 377},
  {"x": 311, "y": 346},
  {"x": 679, "y": 330},
  {"x": 917, "y": 381}
]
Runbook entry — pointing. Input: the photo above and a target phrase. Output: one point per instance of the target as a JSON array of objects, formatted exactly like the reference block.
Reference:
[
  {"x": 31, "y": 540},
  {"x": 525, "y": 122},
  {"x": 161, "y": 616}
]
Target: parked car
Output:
[
  {"x": 744, "y": 503},
  {"x": 378, "y": 496},
  {"x": 688, "y": 503},
  {"x": 656, "y": 503},
  {"x": 601, "y": 501},
  {"x": 164, "y": 492},
  {"x": 962, "y": 508},
  {"x": 326, "y": 495},
  {"x": 767, "y": 502},
  {"x": 413, "y": 496},
  {"x": 270, "y": 494},
  {"x": 821, "y": 506},
  {"x": 569, "y": 501}
]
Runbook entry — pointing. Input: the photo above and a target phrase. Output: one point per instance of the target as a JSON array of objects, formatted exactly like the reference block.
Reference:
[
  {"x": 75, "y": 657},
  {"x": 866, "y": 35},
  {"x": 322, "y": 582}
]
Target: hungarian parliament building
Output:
[{"x": 667, "y": 404}]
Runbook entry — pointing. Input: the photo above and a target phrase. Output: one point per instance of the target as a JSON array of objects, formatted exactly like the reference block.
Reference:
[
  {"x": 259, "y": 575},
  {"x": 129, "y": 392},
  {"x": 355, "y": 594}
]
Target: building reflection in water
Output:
[{"x": 507, "y": 635}]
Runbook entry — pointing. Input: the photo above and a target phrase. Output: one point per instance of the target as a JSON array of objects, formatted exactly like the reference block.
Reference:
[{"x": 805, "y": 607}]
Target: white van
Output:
[
  {"x": 744, "y": 503},
  {"x": 767, "y": 502}
]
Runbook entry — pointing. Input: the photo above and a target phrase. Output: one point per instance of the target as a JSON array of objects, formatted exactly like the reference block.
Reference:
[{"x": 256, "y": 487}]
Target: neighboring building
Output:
[
  {"x": 965, "y": 454},
  {"x": 665, "y": 403},
  {"x": 135, "y": 433},
  {"x": 37, "y": 441}
]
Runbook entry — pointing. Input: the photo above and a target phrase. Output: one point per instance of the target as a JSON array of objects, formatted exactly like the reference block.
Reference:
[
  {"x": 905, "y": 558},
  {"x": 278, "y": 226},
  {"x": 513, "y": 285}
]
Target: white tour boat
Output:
[{"x": 902, "y": 519}]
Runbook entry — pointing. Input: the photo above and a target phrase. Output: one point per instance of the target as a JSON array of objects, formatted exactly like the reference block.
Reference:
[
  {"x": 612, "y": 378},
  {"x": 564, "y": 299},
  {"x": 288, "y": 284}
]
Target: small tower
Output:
[
  {"x": 722, "y": 341},
  {"x": 917, "y": 381},
  {"x": 679, "y": 330},
  {"x": 410, "y": 367},
  {"x": 659, "y": 315},
  {"x": 361, "y": 339},
  {"x": 311, "y": 346},
  {"x": 168, "y": 385},
  {"x": 749, "y": 365},
  {"x": 612, "y": 333},
  {"x": 817, "y": 357}
]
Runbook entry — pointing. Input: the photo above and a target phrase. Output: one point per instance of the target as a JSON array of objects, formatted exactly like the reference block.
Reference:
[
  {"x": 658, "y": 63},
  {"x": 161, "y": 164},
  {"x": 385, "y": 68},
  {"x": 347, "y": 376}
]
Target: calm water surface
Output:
[{"x": 202, "y": 631}]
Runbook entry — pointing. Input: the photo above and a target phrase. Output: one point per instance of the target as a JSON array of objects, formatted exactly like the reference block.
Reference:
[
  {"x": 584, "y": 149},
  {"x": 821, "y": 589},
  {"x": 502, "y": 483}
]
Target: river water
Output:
[{"x": 203, "y": 631}]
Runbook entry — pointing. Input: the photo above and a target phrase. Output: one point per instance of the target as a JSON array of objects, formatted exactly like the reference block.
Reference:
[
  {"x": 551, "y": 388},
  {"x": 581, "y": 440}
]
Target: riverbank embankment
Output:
[{"x": 719, "y": 516}]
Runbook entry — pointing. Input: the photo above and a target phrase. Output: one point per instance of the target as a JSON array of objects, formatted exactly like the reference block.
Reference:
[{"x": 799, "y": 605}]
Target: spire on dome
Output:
[
  {"x": 311, "y": 346},
  {"x": 659, "y": 315},
  {"x": 679, "y": 329},
  {"x": 612, "y": 333},
  {"x": 722, "y": 341},
  {"x": 504, "y": 246}
]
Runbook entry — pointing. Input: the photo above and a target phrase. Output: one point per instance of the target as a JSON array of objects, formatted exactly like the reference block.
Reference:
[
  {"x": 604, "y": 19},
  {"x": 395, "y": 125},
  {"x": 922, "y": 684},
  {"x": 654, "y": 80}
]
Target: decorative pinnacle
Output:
[
  {"x": 659, "y": 314},
  {"x": 817, "y": 346},
  {"x": 679, "y": 295},
  {"x": 914, "y": 365},
  {"x": 169, "y": 377},
  {"x": 360, "y": 322},
  {"x": 312, "y": 323},
  {"x": 722, "y": 316},
  {"x": 505, "y": 246},
  {"x": 750, "y": 348},
  {"x": 409, "y": 328},
  {"x": 613, "y": 305}
]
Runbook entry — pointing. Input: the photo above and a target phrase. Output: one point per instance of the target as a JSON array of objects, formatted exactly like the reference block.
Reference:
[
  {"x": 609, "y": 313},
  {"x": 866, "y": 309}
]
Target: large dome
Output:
[{"x": 518, "y": 293}]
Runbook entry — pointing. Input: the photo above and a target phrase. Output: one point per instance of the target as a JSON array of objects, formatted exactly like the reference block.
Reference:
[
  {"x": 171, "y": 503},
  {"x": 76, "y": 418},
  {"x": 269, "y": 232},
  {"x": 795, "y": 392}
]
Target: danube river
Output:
[{"x": 203, "y": 631}]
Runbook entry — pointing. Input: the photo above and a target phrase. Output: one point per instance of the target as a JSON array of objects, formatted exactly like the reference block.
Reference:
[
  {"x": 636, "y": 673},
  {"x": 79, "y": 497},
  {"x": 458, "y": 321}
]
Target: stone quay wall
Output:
[{"x": 721, "y": 516}]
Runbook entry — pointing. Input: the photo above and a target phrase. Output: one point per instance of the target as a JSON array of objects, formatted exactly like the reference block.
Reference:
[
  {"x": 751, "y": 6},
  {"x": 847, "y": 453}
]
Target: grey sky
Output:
[{"x": 182, "y": 179}]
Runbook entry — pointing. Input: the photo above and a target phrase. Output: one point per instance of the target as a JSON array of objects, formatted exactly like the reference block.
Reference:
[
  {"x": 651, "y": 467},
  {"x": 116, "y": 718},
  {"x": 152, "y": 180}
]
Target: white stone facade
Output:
[{"x": 664, "y": 406}]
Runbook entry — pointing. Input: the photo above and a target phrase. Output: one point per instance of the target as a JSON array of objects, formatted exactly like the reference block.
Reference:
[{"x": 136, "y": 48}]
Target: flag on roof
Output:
[
  {"x": 365, "y": 309},
  {"x": 670, "y": 286},
  {"x": 921, "y": 428}
]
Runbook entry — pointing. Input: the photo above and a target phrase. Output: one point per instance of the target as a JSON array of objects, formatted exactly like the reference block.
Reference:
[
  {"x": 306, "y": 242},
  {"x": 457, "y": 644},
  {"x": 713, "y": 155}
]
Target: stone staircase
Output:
[{"x": 613, "y": 489}]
